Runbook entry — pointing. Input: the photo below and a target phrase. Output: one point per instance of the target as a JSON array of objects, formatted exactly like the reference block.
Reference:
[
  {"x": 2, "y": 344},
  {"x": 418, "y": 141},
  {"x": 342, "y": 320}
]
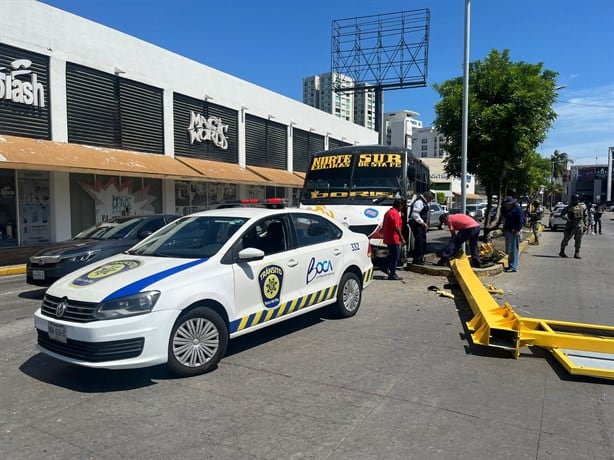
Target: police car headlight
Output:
[{"x": 138, "y": 304}]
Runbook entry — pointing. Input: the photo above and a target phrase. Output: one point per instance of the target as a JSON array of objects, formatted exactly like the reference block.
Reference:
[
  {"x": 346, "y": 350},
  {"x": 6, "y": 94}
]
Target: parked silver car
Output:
[
  {"x": 474, "y": 211},
  {"x": 556, "y": 221},
  {"x": 435, "y": 212}
]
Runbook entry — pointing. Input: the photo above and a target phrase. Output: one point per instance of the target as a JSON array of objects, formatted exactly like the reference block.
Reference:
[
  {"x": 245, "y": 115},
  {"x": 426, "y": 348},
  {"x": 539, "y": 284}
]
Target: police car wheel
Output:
[
  {"x": 349, "y": 295},
  {"x": 198, "y": 342}
]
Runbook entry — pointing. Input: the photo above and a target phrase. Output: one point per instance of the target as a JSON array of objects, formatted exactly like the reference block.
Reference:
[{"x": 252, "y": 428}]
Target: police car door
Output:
[
  {"x": 267, "y": 288},
  {"x": 321, "y": 257}
]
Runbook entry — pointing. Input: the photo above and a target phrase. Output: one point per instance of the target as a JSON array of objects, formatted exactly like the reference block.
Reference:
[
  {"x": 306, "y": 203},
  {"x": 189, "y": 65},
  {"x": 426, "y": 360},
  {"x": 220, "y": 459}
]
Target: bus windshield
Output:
[{"x": 359, "y": 174}]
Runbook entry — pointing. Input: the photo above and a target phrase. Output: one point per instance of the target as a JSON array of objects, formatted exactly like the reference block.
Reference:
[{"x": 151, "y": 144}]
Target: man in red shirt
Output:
[
  {"x": 462, "y": 228},
  {"x": 393, "y": 237}
]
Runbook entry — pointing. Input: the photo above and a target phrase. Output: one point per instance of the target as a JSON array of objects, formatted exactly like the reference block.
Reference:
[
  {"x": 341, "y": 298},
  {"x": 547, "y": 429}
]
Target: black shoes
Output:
[
  {"x": 418, "y": 262},
  {"x": 442, "y": 262},
  {"x": 577, "y": 255},
  {"x": 395, "y": 278},
  {"x": 562, "y": 254}
]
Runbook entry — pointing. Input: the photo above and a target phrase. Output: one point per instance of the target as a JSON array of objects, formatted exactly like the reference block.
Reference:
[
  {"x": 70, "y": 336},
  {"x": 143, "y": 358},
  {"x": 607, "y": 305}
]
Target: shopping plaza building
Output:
[{"x": 95, "y": 123}]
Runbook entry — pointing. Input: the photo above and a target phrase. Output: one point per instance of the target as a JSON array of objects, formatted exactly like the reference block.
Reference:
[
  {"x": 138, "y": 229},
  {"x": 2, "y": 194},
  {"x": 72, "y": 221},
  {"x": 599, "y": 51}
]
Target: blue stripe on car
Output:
[{"x": 138, "y": 286}]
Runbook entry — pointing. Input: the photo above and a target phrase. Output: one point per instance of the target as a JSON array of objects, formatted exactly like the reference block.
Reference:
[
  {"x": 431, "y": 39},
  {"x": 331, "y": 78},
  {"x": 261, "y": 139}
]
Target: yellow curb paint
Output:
[{"x": 12, "y": 270}]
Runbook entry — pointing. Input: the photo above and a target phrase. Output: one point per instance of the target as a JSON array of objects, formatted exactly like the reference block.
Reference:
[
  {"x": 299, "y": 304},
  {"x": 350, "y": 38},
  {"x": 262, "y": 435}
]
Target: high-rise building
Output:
[
  {"x": 357, "y": 107},
  {"x": 427, "y": 143},
  {"x": 400, "y": 126},
  {"x": 364, "y": 107}
]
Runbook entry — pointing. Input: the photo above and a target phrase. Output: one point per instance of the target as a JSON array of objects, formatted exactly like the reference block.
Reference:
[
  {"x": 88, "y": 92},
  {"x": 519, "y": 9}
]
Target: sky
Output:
[{"x": 276, "y": 43}]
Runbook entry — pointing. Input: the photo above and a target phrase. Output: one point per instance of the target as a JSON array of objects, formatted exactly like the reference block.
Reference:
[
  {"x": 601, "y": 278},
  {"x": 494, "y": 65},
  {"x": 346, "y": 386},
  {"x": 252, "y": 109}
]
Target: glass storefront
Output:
[
  {"x": 34, "y": 212},
  {"x": 96, "y": 198},
  {"x": 199, "y": 196},
  {"x": 8, "y": 208}
]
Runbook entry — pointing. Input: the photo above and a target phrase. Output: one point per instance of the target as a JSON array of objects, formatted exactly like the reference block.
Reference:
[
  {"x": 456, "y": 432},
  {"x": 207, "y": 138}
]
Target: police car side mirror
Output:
[{"x": 247, "y": 254}]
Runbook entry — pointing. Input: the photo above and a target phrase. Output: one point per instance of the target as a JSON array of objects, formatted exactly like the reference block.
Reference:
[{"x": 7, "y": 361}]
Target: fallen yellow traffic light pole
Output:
[{"x": 583, "y": 349}]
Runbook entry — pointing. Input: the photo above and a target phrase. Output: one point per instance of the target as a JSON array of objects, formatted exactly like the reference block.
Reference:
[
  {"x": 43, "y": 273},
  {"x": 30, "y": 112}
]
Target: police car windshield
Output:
[{"x": 192, "y": 237}]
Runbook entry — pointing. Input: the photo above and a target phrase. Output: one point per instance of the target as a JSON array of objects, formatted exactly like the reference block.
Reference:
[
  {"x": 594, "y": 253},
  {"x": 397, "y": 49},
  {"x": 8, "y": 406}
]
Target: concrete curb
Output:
[
  {"x": 437, "y": 270},
  {"x": 12, "y": 270},
  {"x": 499, "y": 267}
]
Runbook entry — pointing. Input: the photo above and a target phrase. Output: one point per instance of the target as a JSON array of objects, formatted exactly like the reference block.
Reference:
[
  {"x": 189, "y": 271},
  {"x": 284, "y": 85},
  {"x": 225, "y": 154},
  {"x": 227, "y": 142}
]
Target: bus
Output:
[{"x": 356, "y": 185}]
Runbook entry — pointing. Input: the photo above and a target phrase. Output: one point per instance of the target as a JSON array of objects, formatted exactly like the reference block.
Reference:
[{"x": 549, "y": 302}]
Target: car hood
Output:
[
  {"x": 70, "y": 247},
  {"x": 118, "y": 276}
]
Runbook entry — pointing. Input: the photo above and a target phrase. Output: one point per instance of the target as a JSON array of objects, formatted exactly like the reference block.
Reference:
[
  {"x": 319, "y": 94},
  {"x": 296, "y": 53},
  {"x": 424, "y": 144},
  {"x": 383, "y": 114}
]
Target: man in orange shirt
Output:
[
  {"x": 462, "y": 228},
  {"x": 393, "y": 237}
]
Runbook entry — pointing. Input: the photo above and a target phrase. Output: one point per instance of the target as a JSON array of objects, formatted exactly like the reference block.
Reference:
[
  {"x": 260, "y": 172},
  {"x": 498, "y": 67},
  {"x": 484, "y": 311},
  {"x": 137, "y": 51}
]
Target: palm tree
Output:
[{"x": 560, "y": 161}]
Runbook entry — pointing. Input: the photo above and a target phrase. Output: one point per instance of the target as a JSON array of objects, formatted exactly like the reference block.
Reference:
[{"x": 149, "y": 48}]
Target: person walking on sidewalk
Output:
[
  {"x": 418, "y": 222},
  {"x": 598, "y": 214},
  {"x": 590, "y": 219},
  {"x": 462, "y": 228},
  {"x": 512, "y": 228},
  {"x": 393, "y": 237},
  {"x": 535, "y": 213},
  {"x": 575, "y": 215}
]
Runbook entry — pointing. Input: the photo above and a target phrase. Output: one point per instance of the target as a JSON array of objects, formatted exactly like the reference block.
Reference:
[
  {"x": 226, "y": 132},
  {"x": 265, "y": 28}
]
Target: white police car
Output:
[{"x": 178, "y": 296}]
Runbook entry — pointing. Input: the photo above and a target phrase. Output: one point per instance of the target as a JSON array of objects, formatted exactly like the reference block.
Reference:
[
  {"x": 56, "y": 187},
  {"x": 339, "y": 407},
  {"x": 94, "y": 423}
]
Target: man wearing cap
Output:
[
  {"x": 418, "y": 222},
  {"x": 512, "y": 228}
]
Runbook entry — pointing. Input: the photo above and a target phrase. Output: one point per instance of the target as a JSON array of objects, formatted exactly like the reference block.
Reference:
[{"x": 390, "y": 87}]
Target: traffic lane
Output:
[
  {"x": 18, "y": 298},
  {"x": 551, "y": 287},
  {"x": 355, "y": 387}
]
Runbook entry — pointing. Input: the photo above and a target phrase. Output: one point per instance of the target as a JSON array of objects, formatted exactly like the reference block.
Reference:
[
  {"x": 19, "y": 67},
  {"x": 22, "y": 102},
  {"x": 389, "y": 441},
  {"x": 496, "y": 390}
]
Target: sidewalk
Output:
[{"x": 13, "y": 260}]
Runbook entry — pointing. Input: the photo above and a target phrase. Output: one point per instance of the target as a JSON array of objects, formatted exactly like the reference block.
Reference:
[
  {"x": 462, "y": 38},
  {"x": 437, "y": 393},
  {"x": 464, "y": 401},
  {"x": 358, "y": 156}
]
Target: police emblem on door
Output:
[{"x": 271, "y": 279}]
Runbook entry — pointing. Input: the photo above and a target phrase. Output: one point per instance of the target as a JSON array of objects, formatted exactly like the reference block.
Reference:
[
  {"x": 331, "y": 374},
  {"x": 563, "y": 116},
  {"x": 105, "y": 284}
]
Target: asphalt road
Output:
[{"x": 397, "y": 381}]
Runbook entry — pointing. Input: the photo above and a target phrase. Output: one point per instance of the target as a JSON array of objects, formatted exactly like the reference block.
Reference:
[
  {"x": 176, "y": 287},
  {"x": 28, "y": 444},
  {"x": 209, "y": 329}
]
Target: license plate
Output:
[
  {"x": 38, "y": 274},
  {"x": 56, "y": 332}
]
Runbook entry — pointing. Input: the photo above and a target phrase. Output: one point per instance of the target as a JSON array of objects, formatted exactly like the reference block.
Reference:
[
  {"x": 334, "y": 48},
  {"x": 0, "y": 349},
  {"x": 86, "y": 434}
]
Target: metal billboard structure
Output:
[{"x": 379, "y": 52}]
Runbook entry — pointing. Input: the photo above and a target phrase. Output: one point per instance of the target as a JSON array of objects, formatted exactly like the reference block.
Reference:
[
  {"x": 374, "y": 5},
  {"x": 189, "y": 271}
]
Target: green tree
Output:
[
  {"x": 560, "y": 161},
  {"x": 510, "y": 112}
]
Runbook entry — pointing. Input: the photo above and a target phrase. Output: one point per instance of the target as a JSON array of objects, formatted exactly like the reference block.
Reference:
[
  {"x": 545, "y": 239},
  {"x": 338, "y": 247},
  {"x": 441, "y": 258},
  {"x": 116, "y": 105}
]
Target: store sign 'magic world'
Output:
[
  {"x": 19, "y": 84},
  {"x": 207, "y": 129}
]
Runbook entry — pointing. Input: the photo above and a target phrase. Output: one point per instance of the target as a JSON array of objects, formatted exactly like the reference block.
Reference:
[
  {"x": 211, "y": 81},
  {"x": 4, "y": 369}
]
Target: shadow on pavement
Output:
[
  {"x": 37, "y": 293},
  {"x": 88, "y": 380}
]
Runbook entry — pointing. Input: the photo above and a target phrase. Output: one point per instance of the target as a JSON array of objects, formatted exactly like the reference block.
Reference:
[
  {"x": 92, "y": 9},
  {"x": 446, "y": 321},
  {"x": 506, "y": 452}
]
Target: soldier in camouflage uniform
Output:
[{"x": 575, "y": 214}]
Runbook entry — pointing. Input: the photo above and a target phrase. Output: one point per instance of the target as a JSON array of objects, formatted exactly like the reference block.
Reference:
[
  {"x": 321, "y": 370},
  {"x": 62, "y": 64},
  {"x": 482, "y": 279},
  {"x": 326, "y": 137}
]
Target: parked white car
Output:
[
  {"x": 555, "y": 220},
  {"x": 178, "y": 296}
]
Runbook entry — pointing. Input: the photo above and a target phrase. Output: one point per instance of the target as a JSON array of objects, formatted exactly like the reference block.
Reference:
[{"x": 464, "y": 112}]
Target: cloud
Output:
[{"x": 584, "y": 128}]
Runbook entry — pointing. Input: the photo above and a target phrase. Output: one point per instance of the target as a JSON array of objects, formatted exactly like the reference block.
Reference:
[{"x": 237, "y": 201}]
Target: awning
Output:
[
  {"x": 44, "y": 155},
  {"x": 279, "y": 177},
  {"x": 223, "y": 172},
  {"x": 472, "y": 196}
]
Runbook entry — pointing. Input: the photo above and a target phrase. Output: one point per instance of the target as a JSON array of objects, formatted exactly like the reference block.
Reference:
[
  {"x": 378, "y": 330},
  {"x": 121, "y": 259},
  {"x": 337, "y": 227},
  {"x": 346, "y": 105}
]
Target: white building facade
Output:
[
  {"x": 427, "y": 143},
  {"x": 400, "y": 126},
  {"x": 95, "y": 123}
]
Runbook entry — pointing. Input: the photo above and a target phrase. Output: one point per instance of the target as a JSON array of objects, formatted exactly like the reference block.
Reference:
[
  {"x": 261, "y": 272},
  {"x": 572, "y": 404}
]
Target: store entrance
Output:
[{"x": 8, "y": 209}]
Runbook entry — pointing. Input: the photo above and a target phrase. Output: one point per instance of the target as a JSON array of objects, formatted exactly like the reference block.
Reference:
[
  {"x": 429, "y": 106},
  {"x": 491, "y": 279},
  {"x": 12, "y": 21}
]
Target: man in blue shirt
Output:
[{"x": 512, "y": 228}]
